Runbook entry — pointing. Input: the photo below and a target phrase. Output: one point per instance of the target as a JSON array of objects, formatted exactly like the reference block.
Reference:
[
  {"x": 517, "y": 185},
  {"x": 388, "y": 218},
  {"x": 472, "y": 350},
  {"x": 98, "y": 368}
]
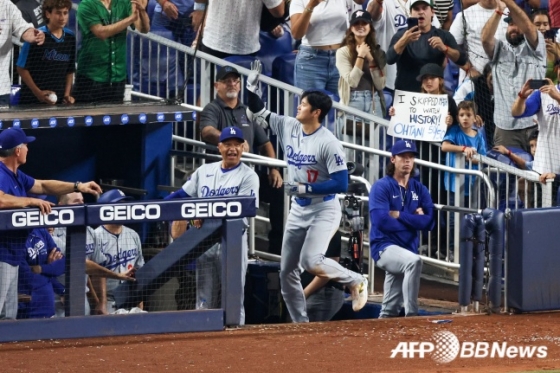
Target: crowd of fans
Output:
[{"x": 507, "y": 52}]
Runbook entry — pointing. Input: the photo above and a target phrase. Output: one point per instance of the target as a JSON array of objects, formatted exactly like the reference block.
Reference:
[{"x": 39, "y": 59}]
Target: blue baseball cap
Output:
[
  {"x": 225, "y": 71},
  {"x": 232, "y": 133},
  {"x": 12, "y": 137},
  {"x": 404, "y": 146},
  {"x": 112, "y": 196}
]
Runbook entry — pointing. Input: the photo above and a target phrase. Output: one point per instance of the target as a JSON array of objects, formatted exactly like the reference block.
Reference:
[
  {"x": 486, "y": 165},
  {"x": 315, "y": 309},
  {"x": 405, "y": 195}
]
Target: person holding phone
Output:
[
  {"x": 545, "y": 103},
  {"x": 421, "y": 43},
  {"x": 541, "y": 20},
  {"x": 515, "y": 60}
]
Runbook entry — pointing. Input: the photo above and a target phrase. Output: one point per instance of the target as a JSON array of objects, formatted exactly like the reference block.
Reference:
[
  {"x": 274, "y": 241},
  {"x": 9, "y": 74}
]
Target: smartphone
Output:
[
  {"x": 550, "y": 34},
  {"x": 537, "y": 83},
  {"x": 411, "y": 22}
]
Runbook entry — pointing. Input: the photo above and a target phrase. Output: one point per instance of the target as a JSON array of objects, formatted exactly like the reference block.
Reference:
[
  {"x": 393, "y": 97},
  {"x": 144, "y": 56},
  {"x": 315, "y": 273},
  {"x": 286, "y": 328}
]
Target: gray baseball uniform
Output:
[
  {"x": 59, "y": 237},
  {"x": 118, "y": 253},
  {"x": 210, "y": 180},
  {"x": 314, "y": 218}
]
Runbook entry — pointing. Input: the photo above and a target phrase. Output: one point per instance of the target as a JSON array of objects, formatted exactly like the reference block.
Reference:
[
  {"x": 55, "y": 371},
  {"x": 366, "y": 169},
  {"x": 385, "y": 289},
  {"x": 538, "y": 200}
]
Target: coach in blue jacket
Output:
[{"x": 399, "y": 207}]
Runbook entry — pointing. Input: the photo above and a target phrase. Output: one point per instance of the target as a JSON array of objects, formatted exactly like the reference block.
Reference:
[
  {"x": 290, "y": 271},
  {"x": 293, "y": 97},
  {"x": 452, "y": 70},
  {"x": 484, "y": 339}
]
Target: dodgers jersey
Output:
[
  {"x": 211, "y": 180},
  {"x": 117, "y": 252},
  {"x": 59, "y": 237},
  {"x": 311, "y": 158}
]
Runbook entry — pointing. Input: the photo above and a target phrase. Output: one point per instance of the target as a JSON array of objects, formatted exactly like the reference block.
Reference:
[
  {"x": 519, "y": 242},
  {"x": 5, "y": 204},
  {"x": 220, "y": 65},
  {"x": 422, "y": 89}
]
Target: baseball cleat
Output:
[{"x": 360, "y": 295}]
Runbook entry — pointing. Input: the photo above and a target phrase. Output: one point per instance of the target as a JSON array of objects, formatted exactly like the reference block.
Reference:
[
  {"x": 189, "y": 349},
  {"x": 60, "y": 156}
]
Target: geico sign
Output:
[
  {"x": 129, "y": 212},
  {"x": 35, "y": 218},
  {"x": 210, "y": 209}
]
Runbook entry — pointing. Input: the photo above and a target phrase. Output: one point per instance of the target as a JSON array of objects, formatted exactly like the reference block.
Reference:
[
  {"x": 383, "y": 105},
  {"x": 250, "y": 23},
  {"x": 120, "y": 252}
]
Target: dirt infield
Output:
[{"x": 343, "y": 346}]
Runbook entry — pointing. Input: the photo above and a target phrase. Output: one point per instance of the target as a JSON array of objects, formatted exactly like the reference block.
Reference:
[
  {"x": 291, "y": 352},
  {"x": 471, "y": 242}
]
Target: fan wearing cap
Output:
[
  {"x": 412, "y": 48},
  {"x": 522, "y": 56},
  {"x": 399, "y": 207},
  {"x": 15, "y": 186},
  {"x": 362, "y": 67},
  {"x": 227, "y": 178},
  {"x": 226, "y": 110},
  {"x": 117, "y": 248}
]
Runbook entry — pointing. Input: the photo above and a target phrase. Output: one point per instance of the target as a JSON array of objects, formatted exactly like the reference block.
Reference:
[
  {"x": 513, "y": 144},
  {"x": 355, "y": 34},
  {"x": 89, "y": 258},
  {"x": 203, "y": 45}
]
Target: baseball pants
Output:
[
  {"x": 402, "y": 281},
  {"x": 8, "y": 291},
  {"x": 307, "y": 235}
]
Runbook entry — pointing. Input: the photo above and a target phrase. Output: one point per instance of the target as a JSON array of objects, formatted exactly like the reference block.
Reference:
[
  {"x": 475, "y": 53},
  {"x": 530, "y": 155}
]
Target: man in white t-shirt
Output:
[
  {"x": 232, "y": 26},
  {"x": 388, "y": 17},
  {"x": 467, "y": 31}
]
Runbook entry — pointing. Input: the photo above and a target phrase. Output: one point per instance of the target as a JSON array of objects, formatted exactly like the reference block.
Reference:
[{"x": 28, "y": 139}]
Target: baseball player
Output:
[
  {"x": 316, "y": 172},
  {"x": 229, "y": 177},
  {"x": 399, "y": 207},
  {"x": 117, "y": 248}
]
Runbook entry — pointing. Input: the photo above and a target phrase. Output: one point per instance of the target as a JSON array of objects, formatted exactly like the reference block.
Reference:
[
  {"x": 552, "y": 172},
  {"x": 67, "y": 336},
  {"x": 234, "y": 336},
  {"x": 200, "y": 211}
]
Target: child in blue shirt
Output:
[{"x": 463, "y": 138}]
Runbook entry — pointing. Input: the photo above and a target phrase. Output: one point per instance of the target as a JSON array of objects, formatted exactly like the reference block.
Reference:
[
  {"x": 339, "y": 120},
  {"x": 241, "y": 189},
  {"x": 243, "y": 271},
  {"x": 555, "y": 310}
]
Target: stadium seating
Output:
[{"x": 271, "y": 48}]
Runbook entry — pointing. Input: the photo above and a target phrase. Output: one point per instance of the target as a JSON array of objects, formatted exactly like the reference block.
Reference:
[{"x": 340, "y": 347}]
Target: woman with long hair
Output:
[
  {"x": 541, "y": 19},
  {"x": 362, "y": 67}
]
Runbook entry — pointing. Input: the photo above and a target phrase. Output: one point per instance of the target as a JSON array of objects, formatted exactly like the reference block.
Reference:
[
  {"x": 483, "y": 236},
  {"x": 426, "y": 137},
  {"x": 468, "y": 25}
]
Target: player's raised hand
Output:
[{"x": 253, "y": 78}]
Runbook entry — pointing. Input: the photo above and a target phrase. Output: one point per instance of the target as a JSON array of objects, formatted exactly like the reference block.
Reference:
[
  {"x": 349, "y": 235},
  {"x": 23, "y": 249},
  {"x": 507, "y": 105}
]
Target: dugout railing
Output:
[{"x": 223, "y": 224}]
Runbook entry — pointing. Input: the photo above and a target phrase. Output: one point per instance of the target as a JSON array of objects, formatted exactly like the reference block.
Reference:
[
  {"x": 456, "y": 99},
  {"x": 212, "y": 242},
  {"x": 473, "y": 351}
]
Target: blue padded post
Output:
[
  {"x": 478, "y": 259},
  {"x": 494, "y": 223},
  {"x": 466, "y": 257}
]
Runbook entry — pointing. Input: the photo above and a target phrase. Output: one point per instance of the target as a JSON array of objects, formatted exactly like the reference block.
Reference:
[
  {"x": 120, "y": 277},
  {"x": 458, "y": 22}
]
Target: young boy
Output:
[
  {"x": 463, "y": 138},
  {"x": 519, "y": 161},
  {"x": 47, "y": 70}
]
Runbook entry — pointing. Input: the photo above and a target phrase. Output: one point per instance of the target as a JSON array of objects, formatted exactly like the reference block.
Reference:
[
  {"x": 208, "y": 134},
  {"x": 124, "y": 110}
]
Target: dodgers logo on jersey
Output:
[
  {"x": 121, "y": 258},
  {"x": 205, "y": 191},
  {"x": 552, "y": 109},
  {"x": 339, "y": 160},
  {"x": 400, "y": 21},
  {"x": 414, "y": 196},
  {"x": 298, "y": 159}
]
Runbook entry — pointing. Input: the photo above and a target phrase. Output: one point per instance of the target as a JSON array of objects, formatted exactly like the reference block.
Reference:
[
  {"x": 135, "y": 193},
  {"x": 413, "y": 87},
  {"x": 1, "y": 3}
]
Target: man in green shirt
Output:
[{"x": 101, "y": 73}]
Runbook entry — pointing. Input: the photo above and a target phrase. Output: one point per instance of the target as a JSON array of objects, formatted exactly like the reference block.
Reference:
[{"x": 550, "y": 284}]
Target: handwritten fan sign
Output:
[{"x": 419, "y": 116}]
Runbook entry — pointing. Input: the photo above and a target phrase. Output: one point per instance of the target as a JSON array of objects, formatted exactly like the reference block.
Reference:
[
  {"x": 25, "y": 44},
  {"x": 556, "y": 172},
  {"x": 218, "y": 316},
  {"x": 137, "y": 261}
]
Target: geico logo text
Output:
[
  {"x": 210, "y": 209},
  {"x": 130, "y": 212},
  {"x": 35, "y": 218}
]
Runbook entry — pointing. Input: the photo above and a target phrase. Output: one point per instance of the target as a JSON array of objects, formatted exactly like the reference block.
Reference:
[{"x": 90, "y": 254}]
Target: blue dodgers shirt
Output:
[
  {"x": 12, "y": 243},
  {"x": 386, "y": 195}
]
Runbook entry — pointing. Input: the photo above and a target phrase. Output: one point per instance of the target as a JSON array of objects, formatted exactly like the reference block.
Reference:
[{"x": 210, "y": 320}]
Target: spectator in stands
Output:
[
  {"x": 101, "y": 73},
  {"x": 465, "y": 139},
  {"x": 443, "y": 10},
  {"x": 15, "y": 186},
  {"x": 362, "y": 66},
  {"x": 467, "y": 31},
  {"x": 92, "y": 268},
  {"x": 395, "y": 223},
  {"x": 48, "y": 69},
  {"x": 226, "y": 110},
  {"x": 321, "y": 25},
  {"x": 545, "y": 103},
  {"x": 209, "y": 180},
  {"x": 541, "y": 20},
  {"x": 520, "y": 161},
  {"x": 31, "y": 11},
  {"x": 412, "y": 48},
  {"x": 388, "y": 17},
  {"x": 13, "y": 26},
  {"x": 38, "y": 275},
  {"x": 232, "y": 27},
  {"x": 175, "y": 16},
  {"x": 117, "y": 248},
  {"x": 519, "y": 58},
  {"x": 480, "y": 90}
]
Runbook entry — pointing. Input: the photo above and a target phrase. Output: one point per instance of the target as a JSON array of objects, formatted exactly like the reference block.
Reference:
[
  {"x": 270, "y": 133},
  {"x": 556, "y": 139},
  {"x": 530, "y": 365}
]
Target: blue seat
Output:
[
  {"x": 272, "y": 48},
  {"x": 283, "y": 68},
  {"x": 157, "y": 74},
  {"x": 150, "y": 9},
  {"x": 15, "y": 93}
]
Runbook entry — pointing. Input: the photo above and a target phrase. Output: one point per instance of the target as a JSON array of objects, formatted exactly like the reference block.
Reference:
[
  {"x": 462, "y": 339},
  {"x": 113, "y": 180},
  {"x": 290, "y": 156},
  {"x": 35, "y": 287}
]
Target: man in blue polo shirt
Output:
[{"x": 14, "y": 188}]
